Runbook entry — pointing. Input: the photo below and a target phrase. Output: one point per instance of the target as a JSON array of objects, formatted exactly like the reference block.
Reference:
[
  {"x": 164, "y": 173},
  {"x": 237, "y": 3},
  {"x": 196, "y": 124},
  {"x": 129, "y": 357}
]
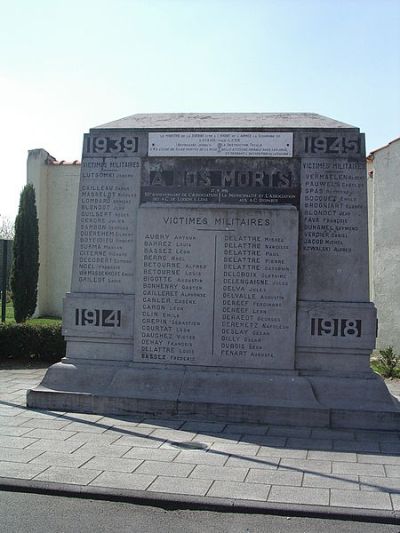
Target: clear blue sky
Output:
[{"x": 66, "y": 66}]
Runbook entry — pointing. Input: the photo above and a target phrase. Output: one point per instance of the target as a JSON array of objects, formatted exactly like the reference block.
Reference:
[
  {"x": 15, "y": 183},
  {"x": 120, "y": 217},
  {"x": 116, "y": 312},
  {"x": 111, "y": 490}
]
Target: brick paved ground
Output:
[{"x": 275, "y": 464}]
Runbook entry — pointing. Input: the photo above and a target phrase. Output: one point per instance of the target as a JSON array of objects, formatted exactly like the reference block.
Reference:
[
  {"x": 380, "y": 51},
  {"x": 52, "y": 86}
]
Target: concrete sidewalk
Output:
[{"x": 195, "y": 463}]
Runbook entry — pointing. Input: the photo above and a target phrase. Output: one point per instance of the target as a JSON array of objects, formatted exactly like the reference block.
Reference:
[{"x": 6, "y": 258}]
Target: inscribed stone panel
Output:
[{"x": 216, "y": 287}]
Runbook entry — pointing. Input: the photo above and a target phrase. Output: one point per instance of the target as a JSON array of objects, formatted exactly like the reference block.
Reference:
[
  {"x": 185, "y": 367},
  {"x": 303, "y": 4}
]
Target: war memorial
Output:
[{"x": 221, "y": 272}]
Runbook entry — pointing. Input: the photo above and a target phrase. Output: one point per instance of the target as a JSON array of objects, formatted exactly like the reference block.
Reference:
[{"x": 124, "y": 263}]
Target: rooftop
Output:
[{"x": 252, "y": 121}]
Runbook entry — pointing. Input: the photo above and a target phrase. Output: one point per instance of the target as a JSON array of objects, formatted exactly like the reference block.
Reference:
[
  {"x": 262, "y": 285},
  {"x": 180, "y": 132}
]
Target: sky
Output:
[{"x": 67, "y": 66}]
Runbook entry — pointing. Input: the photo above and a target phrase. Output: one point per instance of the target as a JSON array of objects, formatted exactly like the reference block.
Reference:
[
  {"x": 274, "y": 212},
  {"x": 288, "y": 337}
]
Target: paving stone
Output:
[
  {"x": 20, "y": 470},
  {"x": 274, "y": 477},
  {"x": 392, "y": 470},
  {"x": 46, "y": 415},
  {"x": 62, "y": 446},
  {"x": 162, "y": 423},
  {"x": 264, "y": 463},
  {"x": 360, "y": 469},
  {"x": 42, "y": 423},
  {"x": 105, "y": 450},
  {"x": 173, "y": 435},
  {"x": 287, "y": 431},
  {"x": 120, "y": 420},
  {"x": 238, "y": 450},
  {"x": 219, "y": 473},
  {"x": 360, "y": 499},
  {"x": 347, "y": 457},
  {"x": 87, "y": 427},
  {"x": 61, "y": 474},
  {"x": 81, "y": 417},
  {"x": 15, "y": 442},
  {"x": 287, "y": 453},
  {"x": 220, "y": 438},
  {"x": 250, "y": 429},
  {"x": 121, "y": 480},
  {"x": 199, "y": 427},
  {"x": 331, "y": 481},
  {"x": 380, "y": 484},
  {"x": 396, "y": 501},
  {"x": 356, "y": 446},
  {"x": 179, "y": 485},
  {"x": 306, "y": 466},
  {"x": 19, "y": 456},
  {"x": 162, "y": 468},
  {"x": 73, "y": 460},
  {"x": 113, "y": 464},
  {"x": 152, "y": 454},
  {"x": 380, "y": 459},
  {"x": 141, "y": 442},
  {"x": 96, "y": 439},
  {"x": 269, "y": 441},
  {"x": 129, "y": 431},
  {"x": 236, "y": 490},
  {"x": 11, "y": 411},
  {"x": 52, "y": 434},
  {"x": 14, "y": 431},
  {"x": 200, "y": 457},
  {"x": 309, "y": 444},
  {"x": 299, "y": 495}
]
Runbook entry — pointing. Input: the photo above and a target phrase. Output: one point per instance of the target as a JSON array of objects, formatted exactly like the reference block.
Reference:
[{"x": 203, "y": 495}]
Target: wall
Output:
[
  {"x": 56, "y": 185},
  {"x": 384, "y": 219}
]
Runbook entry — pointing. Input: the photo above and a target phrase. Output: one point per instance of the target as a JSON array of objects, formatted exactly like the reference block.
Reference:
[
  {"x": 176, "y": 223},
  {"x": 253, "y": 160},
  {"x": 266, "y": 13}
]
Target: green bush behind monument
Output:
[{"x": 27, "y": 342}]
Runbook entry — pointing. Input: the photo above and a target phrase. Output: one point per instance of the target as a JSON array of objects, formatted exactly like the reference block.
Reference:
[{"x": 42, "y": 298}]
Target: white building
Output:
[
  {"x": 56, "y": 184},
  {"x": 384, "y": 231}
]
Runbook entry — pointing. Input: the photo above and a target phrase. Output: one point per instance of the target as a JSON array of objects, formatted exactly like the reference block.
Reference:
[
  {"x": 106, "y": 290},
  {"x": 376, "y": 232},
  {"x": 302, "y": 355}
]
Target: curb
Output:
[{"x": 205, "y": 503}]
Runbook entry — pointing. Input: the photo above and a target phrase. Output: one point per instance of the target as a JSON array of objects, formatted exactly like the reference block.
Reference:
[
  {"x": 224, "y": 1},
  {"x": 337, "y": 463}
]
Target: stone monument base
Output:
[{"x": 269, "y": 397}]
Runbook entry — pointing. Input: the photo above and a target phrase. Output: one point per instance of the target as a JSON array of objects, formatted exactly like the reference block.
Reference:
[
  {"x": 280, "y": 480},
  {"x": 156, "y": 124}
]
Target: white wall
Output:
[
  {"x": 56, "y": 186},
  {"x": 384, "y": 201}
]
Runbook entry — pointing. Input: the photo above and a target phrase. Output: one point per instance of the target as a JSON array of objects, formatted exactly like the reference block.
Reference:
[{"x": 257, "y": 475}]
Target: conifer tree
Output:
[{"x": 25, "y": 269}]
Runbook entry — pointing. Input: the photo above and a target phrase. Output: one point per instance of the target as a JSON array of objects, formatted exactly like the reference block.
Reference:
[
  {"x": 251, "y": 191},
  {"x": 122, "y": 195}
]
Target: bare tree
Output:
[{"x": 6, "y": 228}]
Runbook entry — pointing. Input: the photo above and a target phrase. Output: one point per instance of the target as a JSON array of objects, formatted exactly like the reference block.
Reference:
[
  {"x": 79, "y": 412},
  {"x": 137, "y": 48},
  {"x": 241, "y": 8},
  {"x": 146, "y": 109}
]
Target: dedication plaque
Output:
[
  {"x": 216, "y": 287},
  {"x": 220, "y": 143}
]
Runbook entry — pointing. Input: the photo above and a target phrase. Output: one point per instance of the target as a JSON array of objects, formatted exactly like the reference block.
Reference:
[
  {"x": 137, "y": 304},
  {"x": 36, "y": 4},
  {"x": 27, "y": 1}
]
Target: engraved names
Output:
[
  {"x": 333, "y": 226},
  {"x": 105, "y": 229},
  {"x": 217, "y": 290}
]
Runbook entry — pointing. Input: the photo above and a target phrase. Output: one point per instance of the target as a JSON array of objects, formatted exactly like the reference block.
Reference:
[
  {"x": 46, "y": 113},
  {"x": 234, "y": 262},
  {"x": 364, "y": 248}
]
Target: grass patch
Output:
[
  {"x": 41, "y": 321},
  {"x": 380, "y": 369}
]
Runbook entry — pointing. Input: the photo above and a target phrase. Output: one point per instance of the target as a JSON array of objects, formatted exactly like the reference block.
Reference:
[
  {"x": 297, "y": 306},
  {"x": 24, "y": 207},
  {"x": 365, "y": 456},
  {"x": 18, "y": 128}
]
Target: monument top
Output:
[{"x": 262, "y": 121}]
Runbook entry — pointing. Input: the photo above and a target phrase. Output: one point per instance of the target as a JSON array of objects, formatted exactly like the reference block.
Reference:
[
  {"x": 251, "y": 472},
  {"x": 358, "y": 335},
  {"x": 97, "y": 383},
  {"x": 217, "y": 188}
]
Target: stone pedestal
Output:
[{"x": 221, "y": 271}]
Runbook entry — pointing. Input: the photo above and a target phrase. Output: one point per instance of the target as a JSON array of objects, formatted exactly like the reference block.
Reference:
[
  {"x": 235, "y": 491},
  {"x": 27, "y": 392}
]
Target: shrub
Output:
[
  {"x": 388, "y": 362},
  {"x": 27, "y": 342},
  {"x": 25, "y": 267}
]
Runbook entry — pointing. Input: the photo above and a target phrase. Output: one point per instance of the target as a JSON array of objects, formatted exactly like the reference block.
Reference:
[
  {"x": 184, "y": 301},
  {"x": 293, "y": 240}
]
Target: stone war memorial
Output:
[{"x": 221, "y": 271}]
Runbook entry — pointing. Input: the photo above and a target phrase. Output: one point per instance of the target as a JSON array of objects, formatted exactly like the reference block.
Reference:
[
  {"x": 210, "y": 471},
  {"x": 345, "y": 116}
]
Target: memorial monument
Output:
[{"x": 221, "y": 271}]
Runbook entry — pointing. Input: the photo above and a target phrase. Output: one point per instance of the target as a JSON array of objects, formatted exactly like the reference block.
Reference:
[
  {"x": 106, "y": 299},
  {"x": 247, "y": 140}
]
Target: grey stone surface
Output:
[
  {"x": 61, "y": 474},
  {"x": 176, "y": 485},
  {"x": 243, "y": 491},
  {"x": 358, "y": 499},
  {"x": 184, "y": 286},
  {"x": 242, "y": 263},
  {"x": 224, "y": 120},
  {"x": 220, "y": 473},
  {"x": 121, "y": 480},
  {"x": 363, "y": 482},
  {"x": 302, "y": 495},
  {"x": 274, "y": 477}
]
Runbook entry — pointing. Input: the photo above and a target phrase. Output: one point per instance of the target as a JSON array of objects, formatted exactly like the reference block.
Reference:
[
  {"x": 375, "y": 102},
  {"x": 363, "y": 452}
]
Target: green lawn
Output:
[{"x": 44, "y": 320}]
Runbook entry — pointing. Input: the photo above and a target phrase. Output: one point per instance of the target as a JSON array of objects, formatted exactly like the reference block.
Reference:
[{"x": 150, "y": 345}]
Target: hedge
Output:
[{"x": 27, "y": 342}]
